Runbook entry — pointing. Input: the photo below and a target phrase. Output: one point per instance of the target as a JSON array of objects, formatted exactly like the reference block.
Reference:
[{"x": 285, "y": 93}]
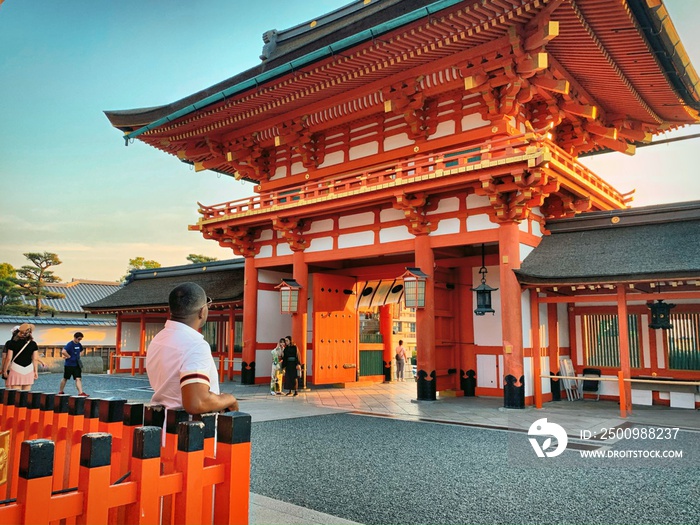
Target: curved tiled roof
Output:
[
  {"x": 647, "y": 243},
  {"x": 77, "y": 293}
]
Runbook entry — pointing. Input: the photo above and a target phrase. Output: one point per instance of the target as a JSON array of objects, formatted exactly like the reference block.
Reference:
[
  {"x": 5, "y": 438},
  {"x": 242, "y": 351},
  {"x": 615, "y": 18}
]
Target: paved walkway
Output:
[{"x": 397, "y": 400}]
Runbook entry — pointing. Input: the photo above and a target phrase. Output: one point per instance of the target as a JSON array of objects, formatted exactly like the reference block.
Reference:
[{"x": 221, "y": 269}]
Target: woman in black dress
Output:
[{"x": 291, "y": 365}]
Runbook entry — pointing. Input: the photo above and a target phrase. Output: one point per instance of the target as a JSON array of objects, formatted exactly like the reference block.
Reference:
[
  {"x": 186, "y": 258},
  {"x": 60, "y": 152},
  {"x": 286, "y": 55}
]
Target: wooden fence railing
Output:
[{"x": 95, "y": 461}]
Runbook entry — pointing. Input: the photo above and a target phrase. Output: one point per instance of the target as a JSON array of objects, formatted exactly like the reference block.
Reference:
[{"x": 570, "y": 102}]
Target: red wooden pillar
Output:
[
  {"x": 511, "y": 316},
  {"x": 386, "y": 325},
  {"x": 535, "y": 333},
  {"x": 624, "y": 334},
  {"x": 231, "y": 339},
  {"x": 466, "y": 350},
  {"x": 425, "y": 322},
  {"x": 142, "y": 345},
  {"x": 114, "y": 365},
  {"x": 300, "y": 319},
  {"x": 250, "y": 321}
]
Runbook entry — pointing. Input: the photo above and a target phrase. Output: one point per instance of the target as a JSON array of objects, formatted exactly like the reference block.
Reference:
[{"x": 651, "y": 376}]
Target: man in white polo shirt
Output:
[{"x": 179, "y": 364}]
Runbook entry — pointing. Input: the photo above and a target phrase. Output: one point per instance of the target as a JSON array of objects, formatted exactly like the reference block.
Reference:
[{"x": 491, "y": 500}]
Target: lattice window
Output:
[
  {"x": 601, "y": 342},
  {"x": 683, "y": 341}
]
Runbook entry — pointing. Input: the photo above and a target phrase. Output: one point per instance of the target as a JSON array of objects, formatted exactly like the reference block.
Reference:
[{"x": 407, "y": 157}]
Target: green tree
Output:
[
  {"x": 10, "y": 293},
  {"x": 33, "y": 279},
  {"x": 139, "y": 263},
  {"x": 195, "y": 258}
]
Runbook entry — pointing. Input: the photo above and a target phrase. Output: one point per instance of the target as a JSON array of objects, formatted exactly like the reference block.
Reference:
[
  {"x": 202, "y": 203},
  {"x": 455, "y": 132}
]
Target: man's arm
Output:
[
  {"x": 198, "y": 399},
  {"x": 64, "y": 352}
]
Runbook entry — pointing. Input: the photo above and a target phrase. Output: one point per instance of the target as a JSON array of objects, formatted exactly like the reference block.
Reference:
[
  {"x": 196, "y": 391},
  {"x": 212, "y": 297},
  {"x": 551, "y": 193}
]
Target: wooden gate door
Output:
[
  {"x": 335, "y": 330},
  {"x": 445, "y": 338}
]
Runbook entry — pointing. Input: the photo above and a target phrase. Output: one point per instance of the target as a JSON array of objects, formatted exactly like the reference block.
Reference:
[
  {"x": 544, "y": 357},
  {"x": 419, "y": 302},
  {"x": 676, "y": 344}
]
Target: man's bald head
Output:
[{"x": 186, "y": 300}]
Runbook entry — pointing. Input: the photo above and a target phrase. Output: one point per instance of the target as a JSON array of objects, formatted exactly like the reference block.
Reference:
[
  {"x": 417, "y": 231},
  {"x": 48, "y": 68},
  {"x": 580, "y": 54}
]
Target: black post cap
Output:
[
  {"x": 133, "y": 414},
  {"x": 21, "y": 398},
  {"x": 190, "y": 436},
  {"x": 233, "y": 428},
  {"x": 2, "y": 395},
  {"x": 76, "y": 406},
  {"x": 36, "y": 459},
  {"x": 60, "y": 404},
  {"x": 154, "y": 415},
  {"x": 92, "y": 408},
  {"x": 111, "y": 410},
  {"x": 34, "y": 400},
  {"x": 174, "y": 417},
  {"x": 209, "y": 421},
  {"x": 147, "y": 442},
  {"x": 95, "y": 450},
  {"x": 8, "y": 396},
  {"x": 47, "y": 401}
]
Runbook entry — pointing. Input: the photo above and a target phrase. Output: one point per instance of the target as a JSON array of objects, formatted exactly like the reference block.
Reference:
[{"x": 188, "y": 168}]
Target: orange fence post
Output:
[
  {"x": 59, "y": 436},
  {"x": 76, "y": 423},
  {"x": 46, "y": 415},
  {"x": 91, "y": 415},
  {"x": 145, "y": 472},
  {"x": 95, "y": 457},
  {"x": 172, "y": 419},
  {"x": 111, "y": 416},
  {"x": 133, "y": 418},
  {"x": 8, "y": 402},
  {"x": 17, "y": 435},
  {"x": 33, "y": 414},
  {"x": 34, "y": 491},
  {"x": 189, "y": 461},
  {"x": 623, "y": 396},
  {"x": 233, "y": 452},
  {"x": 209, "y": 421}
]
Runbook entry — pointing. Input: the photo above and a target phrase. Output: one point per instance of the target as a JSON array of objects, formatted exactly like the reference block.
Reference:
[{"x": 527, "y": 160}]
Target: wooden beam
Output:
[
  {"x": 544, "y": 34},
  {"x": 533, "y": 63},
  {"x": 617, "y": 145},
  {"x": 601, "y": 131},
  {"x": 580, "y": 110},
  {"x": 551, "y": 84}
]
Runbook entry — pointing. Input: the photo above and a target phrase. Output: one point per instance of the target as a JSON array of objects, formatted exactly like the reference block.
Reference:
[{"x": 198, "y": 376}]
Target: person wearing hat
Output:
[{"x": 21, "y": 367}]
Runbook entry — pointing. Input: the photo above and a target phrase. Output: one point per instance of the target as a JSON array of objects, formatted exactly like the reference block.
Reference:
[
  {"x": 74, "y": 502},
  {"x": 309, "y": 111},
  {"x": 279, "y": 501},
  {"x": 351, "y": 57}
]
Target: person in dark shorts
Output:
[{"x": 71, "y": 353}]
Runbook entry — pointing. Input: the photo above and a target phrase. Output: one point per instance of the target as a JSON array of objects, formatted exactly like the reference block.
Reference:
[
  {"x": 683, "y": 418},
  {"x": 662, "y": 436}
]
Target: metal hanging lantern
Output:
[
  {"x": 660, "y": 315},
  {"x": 483, "y": 291},
  {"x": 414, "y": 288},
  {"x": 289, "y": 296}
]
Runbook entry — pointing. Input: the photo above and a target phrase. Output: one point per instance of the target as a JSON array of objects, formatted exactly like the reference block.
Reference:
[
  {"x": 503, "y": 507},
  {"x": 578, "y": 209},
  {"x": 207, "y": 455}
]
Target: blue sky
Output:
[{"x": 72, "y": 188}]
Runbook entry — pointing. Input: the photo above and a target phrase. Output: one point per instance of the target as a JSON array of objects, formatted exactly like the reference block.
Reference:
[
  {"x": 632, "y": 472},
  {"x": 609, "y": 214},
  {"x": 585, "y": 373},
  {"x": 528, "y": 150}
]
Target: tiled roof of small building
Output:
[
  {"x": 652, "y": 242},
  {"x": 149, "y": 289},
  {"x": 77, "y": 293},
  {"x": 60, "y": 321}
]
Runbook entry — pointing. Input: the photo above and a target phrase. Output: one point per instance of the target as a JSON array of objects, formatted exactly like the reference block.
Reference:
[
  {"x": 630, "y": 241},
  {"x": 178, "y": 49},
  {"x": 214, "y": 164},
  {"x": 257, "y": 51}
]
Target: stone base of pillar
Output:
[
  {"x": 427, "y": 388},
  {"x": 387, "y": 371},
  {"x": 467, "y": 382},
  {"x": 248, "y": 373},
  {"x": 513, "y": 396}
]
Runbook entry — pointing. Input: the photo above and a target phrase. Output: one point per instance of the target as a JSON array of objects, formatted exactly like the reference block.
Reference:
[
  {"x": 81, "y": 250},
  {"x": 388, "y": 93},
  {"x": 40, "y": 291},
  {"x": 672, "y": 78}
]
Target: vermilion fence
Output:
[{"x": 81, "y": 460}]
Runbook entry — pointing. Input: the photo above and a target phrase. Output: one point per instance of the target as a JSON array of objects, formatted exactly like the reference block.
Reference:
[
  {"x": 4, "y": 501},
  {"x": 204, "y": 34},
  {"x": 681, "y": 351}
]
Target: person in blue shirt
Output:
[{"x": 71, "y": 353}]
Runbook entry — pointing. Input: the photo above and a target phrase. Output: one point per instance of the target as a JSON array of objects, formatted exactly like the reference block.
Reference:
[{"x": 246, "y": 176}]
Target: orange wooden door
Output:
[{"x": 335, "y": 330}]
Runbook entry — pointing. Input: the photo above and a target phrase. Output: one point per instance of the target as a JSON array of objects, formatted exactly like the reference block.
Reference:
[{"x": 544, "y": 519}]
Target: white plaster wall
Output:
[
  {"x": 443, "y": 129},
  {"x": 272, "y": 324},
  {"x": 320, "y": 244},
  {"x": 283, "y": 248},
  {"x": 363, "y": 150},
  {"x": 524, "y": 251},
  {"x": 397, "y": 233},
  {"x": 450, "y": 204},
  {"x": 529, "y": 375},
  {"x": 397, "y": 141},
  {"x": 265, "y": 251},
  {"x": 324, "y": 225},
  {"x": 563, "y": 324},
  {"x": 544, "y": 324},
  {"x": 265, "y": 235},
  {"x": 473, "y": 121},
  {"x": 56, "y": 335},
  {"x": 447, "y": 226},
  {"x": 272, "y": 277},
  {"x": 359, "y": 219},
  {"x": 351, "y": 240},
  {"x": 526, "y": 318},
  {"x": 480, "y": 222},
  {"x": 545, "y": 369},
  {"x": 297, "y": 168},
  {"x": 477, "y": 201},
  {"x": 280, "y": 172},
  {"x": 486, "y": 372},
  {"x": 391, "y": 214},
  {"x": 331, "y": 159},
  {"x": 487, "y": 328}
]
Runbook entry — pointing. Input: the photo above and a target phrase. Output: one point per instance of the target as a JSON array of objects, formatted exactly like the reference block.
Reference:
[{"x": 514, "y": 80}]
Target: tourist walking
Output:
[
  {"x": 400, "y": 360},
  {"x": 276, "y": 372},
  {"x": 73, "y": 367},
  {"x": 291, "y": 366},
  {"x": 22, "y": 362}
]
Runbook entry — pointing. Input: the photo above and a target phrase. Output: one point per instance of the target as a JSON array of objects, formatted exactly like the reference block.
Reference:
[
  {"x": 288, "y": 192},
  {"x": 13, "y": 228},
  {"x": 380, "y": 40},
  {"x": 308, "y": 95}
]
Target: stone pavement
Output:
[{"x": 397, "y": 401}]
